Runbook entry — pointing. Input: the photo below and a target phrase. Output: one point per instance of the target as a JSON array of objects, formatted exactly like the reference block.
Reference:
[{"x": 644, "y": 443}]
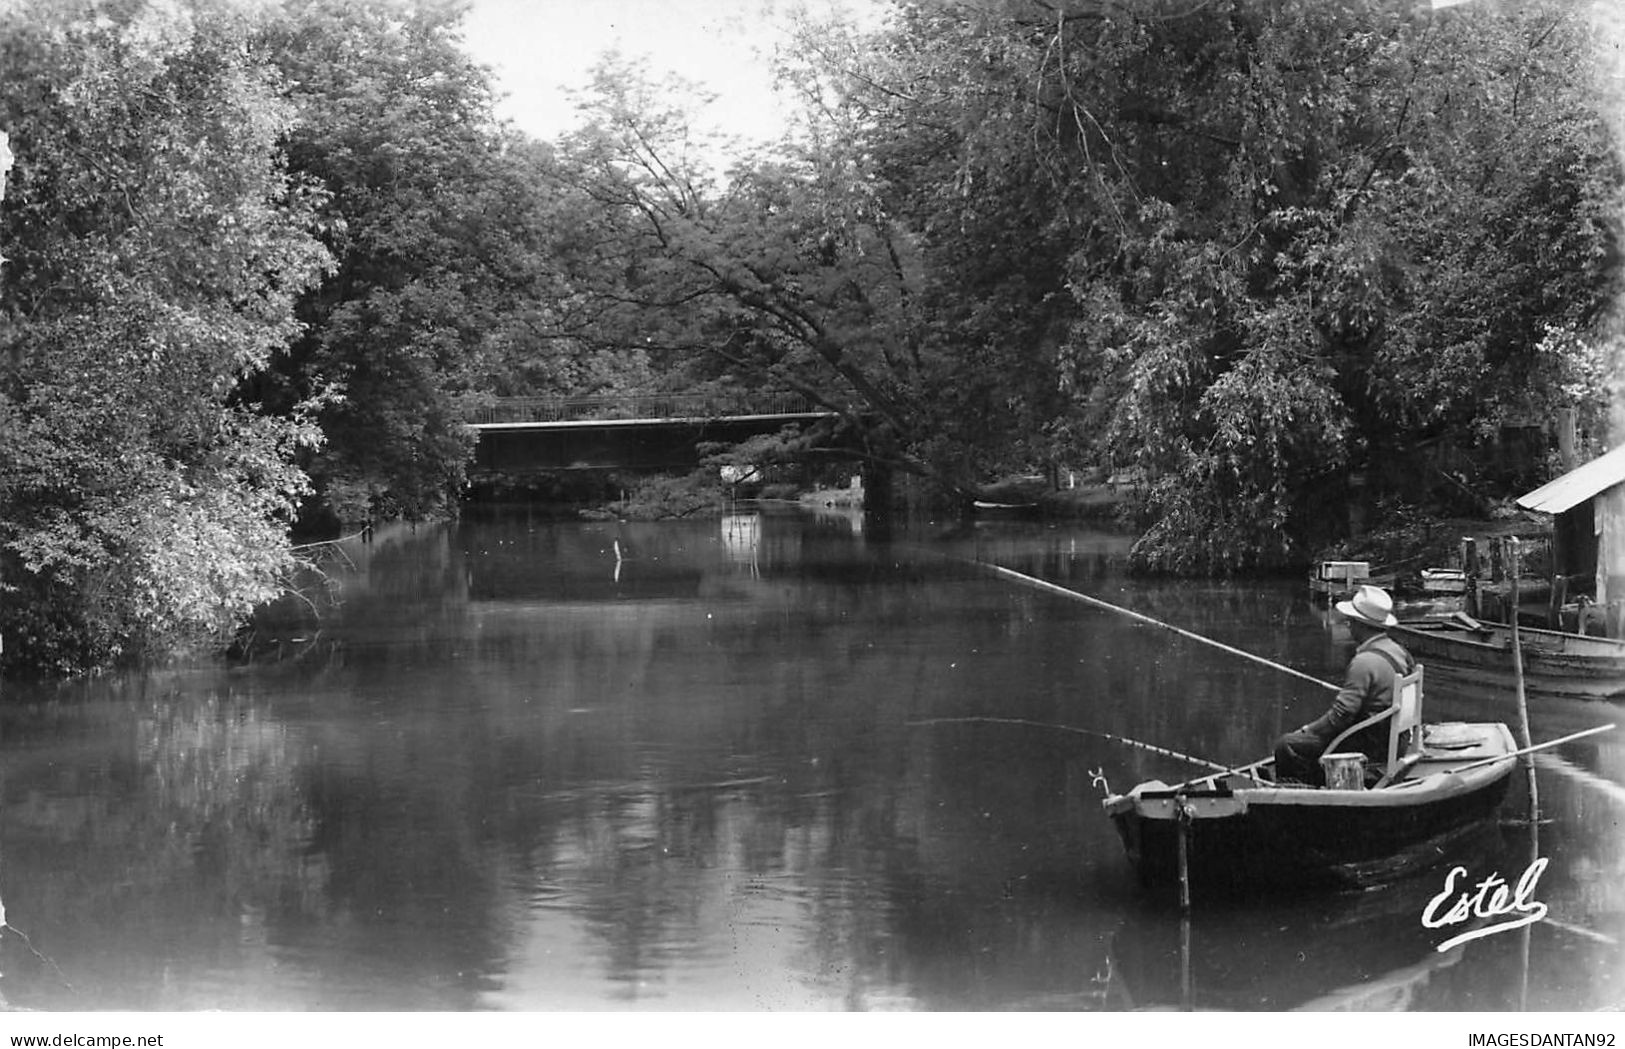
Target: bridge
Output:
[{"x": 530, "y": 435}]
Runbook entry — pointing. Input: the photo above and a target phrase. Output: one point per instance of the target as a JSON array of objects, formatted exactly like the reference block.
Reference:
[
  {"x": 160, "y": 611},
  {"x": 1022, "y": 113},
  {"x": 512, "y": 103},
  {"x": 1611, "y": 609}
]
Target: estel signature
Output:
[{"x": 1494, "y": 899}]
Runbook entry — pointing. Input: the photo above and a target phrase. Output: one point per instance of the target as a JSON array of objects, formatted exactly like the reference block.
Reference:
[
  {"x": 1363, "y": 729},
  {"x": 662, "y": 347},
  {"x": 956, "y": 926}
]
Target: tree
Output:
[
  {"x": 792, "y": 272},
  {"x": 1398, "y": 223},
  {"x": 156, "y": 244},
  {"x": 432, "y": 213},
  {"x": 932, "y": 109},
  {"x": 1283, "y": 241}
]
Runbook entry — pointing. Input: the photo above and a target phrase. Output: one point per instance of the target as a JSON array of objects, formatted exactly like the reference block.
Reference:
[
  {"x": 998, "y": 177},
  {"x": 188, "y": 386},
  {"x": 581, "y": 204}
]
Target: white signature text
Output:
[{"x": 1494, "y": 898}]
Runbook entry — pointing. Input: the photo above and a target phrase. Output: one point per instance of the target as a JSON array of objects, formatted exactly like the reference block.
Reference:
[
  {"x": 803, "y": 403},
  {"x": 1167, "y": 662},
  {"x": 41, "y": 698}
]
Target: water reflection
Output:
[
  {"x": 532, "y": 765},
  {"x": 1329, "y": 953}
]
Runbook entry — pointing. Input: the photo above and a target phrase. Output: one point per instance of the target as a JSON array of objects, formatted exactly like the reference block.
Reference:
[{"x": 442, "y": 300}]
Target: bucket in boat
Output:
[{"x": 1344, "y": 771}]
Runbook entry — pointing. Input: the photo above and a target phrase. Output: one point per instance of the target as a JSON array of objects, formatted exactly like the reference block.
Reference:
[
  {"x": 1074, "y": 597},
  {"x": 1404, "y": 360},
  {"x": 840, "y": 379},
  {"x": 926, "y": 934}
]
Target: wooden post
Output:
[
  {"x": 1187, "y": 986},
  {"x": 1513, "y": 545},
  {"x": 878, "y": 493},
  {"x": 7, "y": 158},
  {"x": 1566, "y": 439},
  {"x": 1470, "y": 567},
  {"x": 1182, "y": 825},
  {"x": 1523, "y": 947}
]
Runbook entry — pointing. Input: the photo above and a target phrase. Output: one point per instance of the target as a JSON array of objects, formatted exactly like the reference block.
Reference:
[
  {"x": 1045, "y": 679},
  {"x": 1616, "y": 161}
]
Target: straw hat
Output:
[{"x": 1370, "y": 604}]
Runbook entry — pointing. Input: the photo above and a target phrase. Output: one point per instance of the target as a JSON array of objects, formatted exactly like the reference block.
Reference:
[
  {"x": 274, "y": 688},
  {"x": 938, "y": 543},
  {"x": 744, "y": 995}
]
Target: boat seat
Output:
[{"x": 1404, "y": 717}]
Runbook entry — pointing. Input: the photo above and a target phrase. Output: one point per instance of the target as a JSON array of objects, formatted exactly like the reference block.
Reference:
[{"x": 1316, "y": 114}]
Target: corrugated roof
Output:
[{"x": 1578, "y": 485}]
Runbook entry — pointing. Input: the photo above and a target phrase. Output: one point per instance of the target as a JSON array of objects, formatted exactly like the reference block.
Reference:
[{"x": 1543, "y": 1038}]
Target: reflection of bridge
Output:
[{"x": 521, "y": 435}]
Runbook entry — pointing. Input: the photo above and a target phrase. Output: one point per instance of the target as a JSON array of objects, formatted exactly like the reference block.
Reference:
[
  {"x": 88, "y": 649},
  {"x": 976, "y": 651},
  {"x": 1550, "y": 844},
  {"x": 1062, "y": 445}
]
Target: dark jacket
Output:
[{"x": 1368, "y": 688}]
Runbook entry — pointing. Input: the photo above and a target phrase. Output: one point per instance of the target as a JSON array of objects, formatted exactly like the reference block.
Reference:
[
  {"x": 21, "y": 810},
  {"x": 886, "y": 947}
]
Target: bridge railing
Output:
[{"x": 636, "y": 406}]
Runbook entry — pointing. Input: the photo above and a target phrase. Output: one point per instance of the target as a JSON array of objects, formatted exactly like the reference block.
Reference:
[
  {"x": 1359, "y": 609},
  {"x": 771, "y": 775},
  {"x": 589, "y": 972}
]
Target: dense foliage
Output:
[
  {"x": 247, "y": 251},
  {"x": 154, "y": 245},
  {"x": 1315, "y": 236},
  {"x": 1299, "y": 239},
  {"x": 1245, "y": 249},
  {"x": 263, "y": 264},
  {"x": 793, "y": 274},
  {"x": 432, "y": 217}
]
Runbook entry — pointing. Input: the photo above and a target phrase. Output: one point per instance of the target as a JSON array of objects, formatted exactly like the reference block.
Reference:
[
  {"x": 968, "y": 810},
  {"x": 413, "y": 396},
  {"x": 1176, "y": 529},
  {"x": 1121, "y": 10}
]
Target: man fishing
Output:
[{"x": 1368, "y": 688}]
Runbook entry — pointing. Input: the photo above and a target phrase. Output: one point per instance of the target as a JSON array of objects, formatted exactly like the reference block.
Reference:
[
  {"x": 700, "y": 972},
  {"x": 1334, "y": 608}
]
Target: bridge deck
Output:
[
  {"x": 667, "y": 437},
  {"x": 673, "y": 420}
]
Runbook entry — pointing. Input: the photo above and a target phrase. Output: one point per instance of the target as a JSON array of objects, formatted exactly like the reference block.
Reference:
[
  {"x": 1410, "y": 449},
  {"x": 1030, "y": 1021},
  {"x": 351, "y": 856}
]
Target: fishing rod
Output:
[
  {"x": 1072, "y": 728},
  {"x": 1041, "y": 584},
  {"x": 1520, "y": 752}
]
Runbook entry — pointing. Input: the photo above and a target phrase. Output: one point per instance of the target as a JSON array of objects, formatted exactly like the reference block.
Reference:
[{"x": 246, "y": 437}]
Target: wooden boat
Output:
[
  {"x": 1334, "y": 580},
  {"x": 1555, "y": 663},
  {"x": 1244, "y": 832}
]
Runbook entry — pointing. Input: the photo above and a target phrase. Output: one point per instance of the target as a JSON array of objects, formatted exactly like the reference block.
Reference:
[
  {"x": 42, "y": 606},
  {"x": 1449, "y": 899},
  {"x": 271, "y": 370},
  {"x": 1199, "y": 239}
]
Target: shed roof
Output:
[{"x": 1578, "y": 485}]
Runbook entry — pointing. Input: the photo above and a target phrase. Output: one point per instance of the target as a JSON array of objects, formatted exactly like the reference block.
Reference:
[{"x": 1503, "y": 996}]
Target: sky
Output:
[{"x": 541, "y": 48}]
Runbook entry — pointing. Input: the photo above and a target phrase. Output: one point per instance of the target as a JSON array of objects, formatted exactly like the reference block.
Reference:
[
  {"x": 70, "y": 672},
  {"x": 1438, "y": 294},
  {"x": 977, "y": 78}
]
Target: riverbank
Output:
[
  {"x": 1407, "y": 546},
  {"x": 1404, "y": 543},
  {"x": 1091, "y": 502}
]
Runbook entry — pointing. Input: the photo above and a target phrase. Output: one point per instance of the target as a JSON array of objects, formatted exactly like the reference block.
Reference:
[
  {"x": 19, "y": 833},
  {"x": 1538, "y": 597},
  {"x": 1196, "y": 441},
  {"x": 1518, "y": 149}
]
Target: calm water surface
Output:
[{"x": 525, "y": 765}]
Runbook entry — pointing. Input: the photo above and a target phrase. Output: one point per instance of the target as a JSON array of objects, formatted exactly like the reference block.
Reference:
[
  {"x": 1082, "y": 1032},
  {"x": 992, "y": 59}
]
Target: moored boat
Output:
[
  {"x": 1333, "y": 580},
  {"x": 1444, "y": 581},
  {"x": 1555, "y": 663},
  {"x": 1245, "y": 832}
]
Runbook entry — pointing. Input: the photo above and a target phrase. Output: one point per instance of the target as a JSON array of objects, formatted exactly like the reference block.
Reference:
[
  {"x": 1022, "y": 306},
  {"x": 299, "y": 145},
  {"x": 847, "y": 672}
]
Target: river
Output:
[{"x": 522, "y": 764}]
